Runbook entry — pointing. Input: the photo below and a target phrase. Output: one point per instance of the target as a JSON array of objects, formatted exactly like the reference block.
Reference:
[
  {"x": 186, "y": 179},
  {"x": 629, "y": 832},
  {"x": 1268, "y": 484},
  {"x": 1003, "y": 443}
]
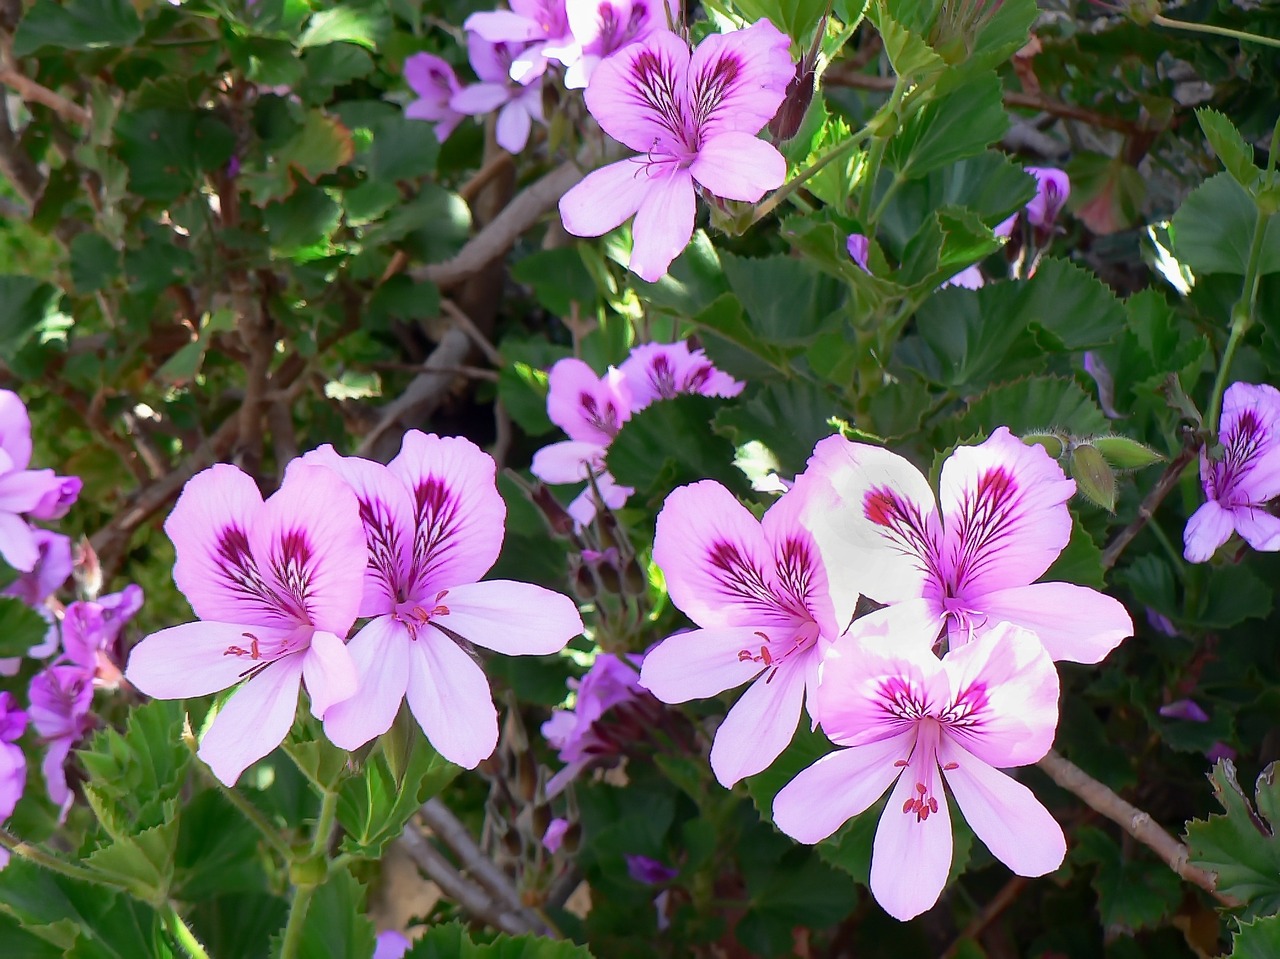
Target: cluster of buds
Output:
[{"x": 1094, "y": 461}]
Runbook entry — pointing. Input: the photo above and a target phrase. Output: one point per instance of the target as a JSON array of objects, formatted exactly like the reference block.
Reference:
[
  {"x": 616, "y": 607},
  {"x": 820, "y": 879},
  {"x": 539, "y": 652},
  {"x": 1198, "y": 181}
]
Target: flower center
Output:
[
  {"x": 773, "y": 654},
  {"x": 415, "y": 615}
]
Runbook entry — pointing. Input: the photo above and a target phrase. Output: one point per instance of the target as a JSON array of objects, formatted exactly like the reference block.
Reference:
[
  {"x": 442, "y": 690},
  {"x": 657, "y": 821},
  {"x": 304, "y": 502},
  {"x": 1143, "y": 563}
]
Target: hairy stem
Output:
[
  {"x": 303, "y": 890},
  {"x": 1132, "y": 820},
  {"x": 871, "y": 172},
  {"x": 182, "y": 934},
  {"x": 1240, "y": 35},
  {"x": 36, "y": 855},
  {"x": 1150, "y": 503}
]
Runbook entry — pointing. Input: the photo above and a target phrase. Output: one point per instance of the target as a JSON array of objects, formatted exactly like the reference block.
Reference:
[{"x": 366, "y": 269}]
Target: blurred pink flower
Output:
[
  {"x": 38, "y": 494},
  {"x": 1052, "y": 189},
  {"x": 435, "y": 522},
  {"x": 602, "y": 27},
  {"x": 391, "y": 945},
  {"x": 61, "y": 698},
  {"x": 1239, "y": 484},
  {"x": 276, "y": 587},
  {"x": 435, "y": 83},
  {"x": 91, "y": 630},
  {"x": 694, "y": 118},
  {"x": 661, "y": 371},
  {"x": 13, "y": 762},
  {"x": 859, "y": 248},
  {"x": 758, "y": 590},
  {"x": 554, "y": 836},
  {"x": 516, "y": 106},
  {"x": 910, "y": 719},
  {"x": 537, "y": 30}
]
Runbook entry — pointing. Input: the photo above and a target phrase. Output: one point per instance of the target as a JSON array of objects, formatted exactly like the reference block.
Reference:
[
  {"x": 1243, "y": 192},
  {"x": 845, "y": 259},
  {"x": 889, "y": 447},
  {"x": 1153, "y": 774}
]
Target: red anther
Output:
[
  {"x": 744, "y": 655},
  {"x": 950, "y": 766},
  {"x": 235, "y": 651},
  {"x": 908, "y": 805},
  {"x": 920, "y": 789},
  {"x": 933, "y": 804},
  {"x": 762, "y": 635},
  {"x": 421, "y": 613},
  {"x": 441, "y": 595},
  {"x": 901, "y": 762},
  {"x": 923, "y": 813},
  {"x": 766, "y": 655},
  {"x": 254, "y": 652},
  {"x": 440, "y": 611}
]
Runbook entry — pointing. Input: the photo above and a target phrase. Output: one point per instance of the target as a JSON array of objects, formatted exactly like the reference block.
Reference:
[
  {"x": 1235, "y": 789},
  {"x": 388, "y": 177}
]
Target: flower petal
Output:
[
  {"x": 1004, "y": 814},
  {"x": 253, "y": 721},
  {"x": 329, "y": 672},
  {"x": 512, "y": 129},
  {"x": 663, "y": 225},
  {"x": 1075, "y": 623},
  {"x": 519, "y": 619},
  {"x": 190, "y": 660},
  {"x": 738, "y": 166},
  {"x": 760, "y": 725},
  {"x": 838, "y": 787},
  {"x": 566, "y": 462},
  {"x": 1258, "y": 528},
  {"x": 1004, "y": 701},
  {"x": 800, "y": 574},
  {"x": 18, "y": 544},
  {"x": 310, "y": 545},
  {"x": 875, "y": 521},
  {"x": 717, "y": 562},
  {"x": 700, "y": 663},
  {"x": 386, "y": 512},
  {"x": 639, "y": 95},
  {"x": 606, "y": 198},
  {"x": 1208, "y": 528},
  {"x": 479, "y": 99},
  {"x": 15, "y": 430},
  {"x": 1004, "y": 509},
  {"x": 380, "y": 653},
  {"x": 588, "y": 407},
  {"x": 910, "y": 857},
  {"x": 737, "y": 80},
  {"x": 503, "y": 26},
  {"x": 450, "y": 698},
  {"x": 459, "y": 516}
]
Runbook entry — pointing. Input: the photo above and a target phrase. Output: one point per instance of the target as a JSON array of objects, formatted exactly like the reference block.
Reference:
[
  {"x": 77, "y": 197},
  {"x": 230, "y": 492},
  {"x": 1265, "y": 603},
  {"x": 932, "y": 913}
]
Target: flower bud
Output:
[
  {"x": 1124, "y": 453},
  {"x": 561, "y": 522},
  {"x": 795, "y": 103},
  {"x": 1094, "y": 478},
  {"x": 1055, "y": 444}
]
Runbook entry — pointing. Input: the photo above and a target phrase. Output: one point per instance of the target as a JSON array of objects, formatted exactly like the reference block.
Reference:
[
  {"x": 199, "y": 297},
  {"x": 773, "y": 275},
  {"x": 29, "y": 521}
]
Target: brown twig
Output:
[
  {"x": 33, "y": 92},
  {"x": 1132, "y": 820},
  {"x": 490, "y": 351},
  {"x": 1001, "y": 901},
  {"x": 1150, "y": 503}
]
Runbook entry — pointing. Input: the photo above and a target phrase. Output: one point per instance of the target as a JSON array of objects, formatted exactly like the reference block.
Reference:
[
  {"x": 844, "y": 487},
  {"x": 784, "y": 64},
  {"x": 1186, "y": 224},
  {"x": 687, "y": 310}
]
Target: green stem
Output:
[
  {"x": 297, "y": 916},
  {"x": 303, "y": 890},
  {"x": 246, "y": 808},
  {"x": 774, "y": 199},
  {"x": 1216, "y": 31},
  {"x": 183, "y": 934},
  {"x": 36, "y": 855},
  {"x": 872, "y": 171},
  {"x": 324, "y": 824},
  {"x": 1241, "y": 320}
]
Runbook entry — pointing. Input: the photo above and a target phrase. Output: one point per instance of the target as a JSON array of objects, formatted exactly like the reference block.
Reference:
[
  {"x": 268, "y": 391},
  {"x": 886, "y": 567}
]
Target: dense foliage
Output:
[{"x": 910, "y": 361}]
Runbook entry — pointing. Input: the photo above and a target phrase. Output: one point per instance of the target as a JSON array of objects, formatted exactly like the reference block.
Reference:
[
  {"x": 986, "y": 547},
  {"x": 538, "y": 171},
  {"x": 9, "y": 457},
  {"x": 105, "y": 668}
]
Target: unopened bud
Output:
[
  {"x": 795, "y": 103},
  {"x": 1094, "y": 478},
  {"x": 572, "y": 838},
  {"x": 1054, "y": 443},
  {"x": 526, "y": 778},
  {"x": 1124, "y": 453},
  {"x": 561, "y": 522},
  {"x": 610, "y": 578},
  {"x": 634, "y": 580},
  {"x": 584, "y": 583},
  {"x": 540, "y": 819}
]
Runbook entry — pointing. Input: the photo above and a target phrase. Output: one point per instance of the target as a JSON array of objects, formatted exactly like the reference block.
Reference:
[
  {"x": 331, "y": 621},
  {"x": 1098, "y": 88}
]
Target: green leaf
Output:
[
  {"x": 1073, "y": 306},
  {"x": 142, "y": 768},
  {"x": 1259, "y": 939},
  {"x": 94, "y": 262},
  {"x": 143, "y": 861},
  {"x": 77, "y": 25},
  {"x": 402, "y": 149},
  {"x": 960, "y": 124},
  {"x": 217, "y": 851},
  {"x": 694, "y": 281},
  {"x": 788, "y": 300},
  {"x": 1235, "y": 154},
  {"x": 908, "y": 54},
  {"x": 1213, "y": 229},
  {"x": 668, "y": 444},
  {"x": 1031, "y": 404},
  {"x": 303, "y": 221},
  {"x": 1240, "y": 847},
  {"x": 25, "y": 303},
  {"x": 335, "y": 924},
  {"x": 1080, "y": 562},
  {"x": 787, "y": 417},
  {"x": 559, "y": 280},
  {"x": 344, "y": 23},
  {"x": 21, "y": 627},
  {"x": 1133, "y": 894},
  {"x": 238, "y": 925},
  {"x": 168, "y": 151},
  {"x": 452, "y": 941},
  {"x": 969, "y": 342},
  {"x": 318, "y": 147}
]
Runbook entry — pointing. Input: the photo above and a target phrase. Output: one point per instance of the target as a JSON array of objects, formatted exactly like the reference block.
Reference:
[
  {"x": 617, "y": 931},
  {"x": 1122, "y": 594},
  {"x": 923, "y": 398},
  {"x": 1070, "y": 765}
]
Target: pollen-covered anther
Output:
[{"x": 923, "y": 805}]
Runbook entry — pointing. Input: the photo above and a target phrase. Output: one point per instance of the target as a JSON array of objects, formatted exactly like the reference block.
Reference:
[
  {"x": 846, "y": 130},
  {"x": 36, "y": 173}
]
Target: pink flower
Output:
[
  {"x": 661, "y": 371},
  {"x": 540, "y": 27},
  {"x": 61, "y": 697},
  {"x": 390, "y": 945},
  {"x": 1239, "y": 484},
  {"x": 517, "y": 106},
  {"x": 1052, "y": 189},
  {"x": 601, "y": 27},
  {"x": 276, "y": 585},
  {"x": 435, "y": 83},
  {"x": 91, "y": 631},
  {"x": 52, "y": 567},
  {"x": 969, "y": 566},
  {"x": 758, "y": 591},
  {"x": 39, "y": 494},
  {"x": 970, "y": 278},
  {"x": 13, "y": 763},
  {"x": 907, "y": 717},
  {"x": 435, "y": 523},
  {"x": 859, "y": 248},
  {"x": 692, "y": 119},
  {"x": 591, "y": 410}
]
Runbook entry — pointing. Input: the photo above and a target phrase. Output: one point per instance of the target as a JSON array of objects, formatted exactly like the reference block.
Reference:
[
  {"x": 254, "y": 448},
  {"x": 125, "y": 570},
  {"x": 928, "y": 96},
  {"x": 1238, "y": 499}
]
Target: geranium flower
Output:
[
  {"x": 907, "y": 717},
  {"x": 758, "y": 591},
  {"x": 693, "y": 118},
  {"x": 602, "y": 27},
  {"x": 1238, "y": 485},
  {"x": 276, "y": 585},
  {"x": 661, "y": 371},
  {"x": 61, "y": 698},
  {"x": 13, "y": 762},
  {"x": 39, "y": 494},
  {"x": 517, "y": 106},
  {"x": 435, "y": 524},
  {"x": 1052, "y": 189},
  {"x": 591, "y": 410},
  {"x": 91, "y": 629},
  {"x": 435, "y": 83},
  {"x": 972, "y": 564},
  {"x": 539, "y": 31}
]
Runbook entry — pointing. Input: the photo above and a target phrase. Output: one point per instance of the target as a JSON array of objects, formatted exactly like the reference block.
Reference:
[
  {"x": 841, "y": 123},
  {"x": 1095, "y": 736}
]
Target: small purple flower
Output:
[
  {"x": 969, "y": 278},
  {"x": 61, "y": 697},
  {"x": 540, "y": 28},
  {"x": 36, "y": 493},
  {"x": 602, "y": 27},
  {"x": 1186, "y": 709},
  {"x": 648, "y": 871},
  {"x": 693, "y": 119},
  {"x": 53, "y": 566},
  {"x": 517, "y": 106},
  {"x": 859, "y": 248},
  {"x": 661, "y": 371},
  {"x": 1052, "y": 189},
  {"x": 13, "y": 762},
  {"x": 390, "y": 945},
  {"x": 554, "y": 836},
  {"x": 1239, "y": 484},
  {"x": 91, "y": 631},
  {"x": 435, "y": 83}
]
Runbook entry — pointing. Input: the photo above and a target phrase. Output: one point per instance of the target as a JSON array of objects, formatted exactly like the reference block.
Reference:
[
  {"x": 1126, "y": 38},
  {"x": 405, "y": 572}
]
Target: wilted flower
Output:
[{"x": 692, "y": 118}]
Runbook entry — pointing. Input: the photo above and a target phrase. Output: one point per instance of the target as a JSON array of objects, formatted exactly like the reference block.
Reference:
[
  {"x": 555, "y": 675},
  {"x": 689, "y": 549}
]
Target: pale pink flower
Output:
[
  {"x": 973, "y": 563},
  {"x": 602, "y": 27},
  {"x": 1239, "y": 484},
  {"x": 537, "y": 30},
  {"x": 516, "y": 106},
  {"x": 435, "y": 522},
  {"x": 435, "y": 83},
  {"x": 692, "y": 119},
  {"x": 553, "y": 838},
  {"x": 661, "y": 371},
  {"x": 276, "y": 585},
  {"x": 38, "y": 494},
  {"x": 591, "y": 410},
  {"x": 758, "y": 590},
  {"x": 909, "y": 718}
]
